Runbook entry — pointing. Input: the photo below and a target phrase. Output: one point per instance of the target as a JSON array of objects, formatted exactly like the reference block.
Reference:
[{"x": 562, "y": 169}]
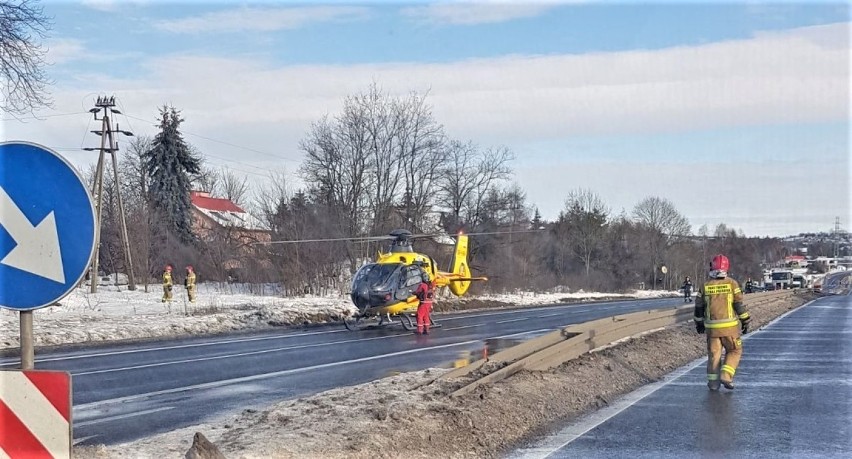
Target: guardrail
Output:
[{"x": 555, "y": 348}]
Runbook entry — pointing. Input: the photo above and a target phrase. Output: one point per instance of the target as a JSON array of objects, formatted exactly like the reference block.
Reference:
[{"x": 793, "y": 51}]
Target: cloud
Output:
[
  {"x": 769, "y": 198},
  {"x": 60, "y": 51},
  {"x": 261, "y": 19},
  {"x": 468, "y": 13},
  {"x": 797, "y": 76},
  {"x": 64, "y": 51},
  {"x": 101, "y": 5}
]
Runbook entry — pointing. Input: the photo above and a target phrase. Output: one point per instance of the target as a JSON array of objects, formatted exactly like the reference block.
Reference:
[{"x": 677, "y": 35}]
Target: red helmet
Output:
[
  {"x": 189, "y": 268},
  {"x": 168, "y": 268},
  {"x": 720, "y": 263}
]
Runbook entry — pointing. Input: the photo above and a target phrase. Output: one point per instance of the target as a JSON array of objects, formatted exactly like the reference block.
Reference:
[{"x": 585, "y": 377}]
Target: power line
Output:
[
  {"x": 43, "y": 117},
  {"x": 127, "y": 118},
  {"x": 266, "y": 171},
  {"x": 254, "y": 150}
]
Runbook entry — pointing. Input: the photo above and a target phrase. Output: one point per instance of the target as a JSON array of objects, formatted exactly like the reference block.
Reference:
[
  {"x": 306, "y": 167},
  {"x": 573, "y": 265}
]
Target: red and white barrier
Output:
[{"x": 35, "y": 414}]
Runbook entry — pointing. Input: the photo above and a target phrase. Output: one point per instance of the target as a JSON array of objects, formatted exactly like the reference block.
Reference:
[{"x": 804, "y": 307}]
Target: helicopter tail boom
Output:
[{"x": 460, "y": 281}]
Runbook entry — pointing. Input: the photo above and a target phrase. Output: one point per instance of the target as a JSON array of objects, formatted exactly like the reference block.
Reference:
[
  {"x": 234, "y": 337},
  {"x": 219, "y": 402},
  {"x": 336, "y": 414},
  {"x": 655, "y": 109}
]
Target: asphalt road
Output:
[
  {"x": 125, "y": 392},
  {"x": 793, "y": 399}
]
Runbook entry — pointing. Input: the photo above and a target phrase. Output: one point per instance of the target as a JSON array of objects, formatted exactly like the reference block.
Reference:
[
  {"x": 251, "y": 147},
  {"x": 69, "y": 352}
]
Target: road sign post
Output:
[
  {"x": 47, "y": 232},
  {"x": 27, "y": 344}
]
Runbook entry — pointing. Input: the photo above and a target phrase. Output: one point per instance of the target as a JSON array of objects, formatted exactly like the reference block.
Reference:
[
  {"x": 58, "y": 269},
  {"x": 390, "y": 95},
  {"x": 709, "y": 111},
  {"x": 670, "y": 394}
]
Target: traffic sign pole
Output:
[
  {"x": 27, "y": 348},
  {"x": 48, "y": 233}
]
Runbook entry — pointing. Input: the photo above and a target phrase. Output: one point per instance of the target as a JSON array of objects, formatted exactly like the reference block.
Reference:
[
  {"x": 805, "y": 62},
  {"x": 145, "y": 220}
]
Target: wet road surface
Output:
[
  {"x": 793, "y": 398},
  {"x": 125, "y": 392}
]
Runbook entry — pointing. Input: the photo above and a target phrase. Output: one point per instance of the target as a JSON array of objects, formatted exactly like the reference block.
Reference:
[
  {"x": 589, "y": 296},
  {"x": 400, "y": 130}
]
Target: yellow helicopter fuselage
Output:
[{"x": 386, "y": 287}]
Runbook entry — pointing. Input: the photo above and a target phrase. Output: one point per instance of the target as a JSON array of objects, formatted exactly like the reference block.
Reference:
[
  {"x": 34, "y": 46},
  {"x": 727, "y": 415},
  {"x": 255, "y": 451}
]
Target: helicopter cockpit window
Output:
[
  {"x": 374, "y": 274},
  {"x": 413, "y": 276}
]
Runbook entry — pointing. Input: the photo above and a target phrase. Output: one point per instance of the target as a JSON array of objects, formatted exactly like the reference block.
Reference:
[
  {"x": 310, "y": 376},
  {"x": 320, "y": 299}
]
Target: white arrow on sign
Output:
[{"x": 37, "y": 250}]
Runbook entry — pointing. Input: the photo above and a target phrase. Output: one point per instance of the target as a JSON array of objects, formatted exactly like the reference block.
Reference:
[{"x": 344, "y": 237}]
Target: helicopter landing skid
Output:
[
  {"x": 364, "y": 322},
  {"x": 409, "y": 322}
]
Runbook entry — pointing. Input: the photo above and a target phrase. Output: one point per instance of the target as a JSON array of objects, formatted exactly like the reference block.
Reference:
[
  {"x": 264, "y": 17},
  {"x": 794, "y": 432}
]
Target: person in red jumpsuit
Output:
[{"x": 425, "y": 292}]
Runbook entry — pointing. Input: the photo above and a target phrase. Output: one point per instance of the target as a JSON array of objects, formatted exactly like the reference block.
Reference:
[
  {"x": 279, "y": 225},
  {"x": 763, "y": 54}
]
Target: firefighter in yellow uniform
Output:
[
  {"x": 719, "y": 312},
  {"x": 167, "y": 284},
  {"x": 189, "y": 283}
]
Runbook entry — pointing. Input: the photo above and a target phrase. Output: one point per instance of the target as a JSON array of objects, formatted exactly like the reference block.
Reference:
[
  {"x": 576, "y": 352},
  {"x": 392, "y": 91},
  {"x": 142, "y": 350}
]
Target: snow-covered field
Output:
[{"x": 115, "y": 313}]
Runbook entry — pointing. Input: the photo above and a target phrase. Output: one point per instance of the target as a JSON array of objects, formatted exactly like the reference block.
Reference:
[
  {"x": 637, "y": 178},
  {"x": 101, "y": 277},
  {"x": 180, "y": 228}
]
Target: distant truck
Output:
[{"x": 781, "y": 279}]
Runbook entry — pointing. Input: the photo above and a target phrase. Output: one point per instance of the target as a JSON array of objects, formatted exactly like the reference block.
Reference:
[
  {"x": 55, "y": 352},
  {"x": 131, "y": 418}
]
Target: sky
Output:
[{"x": 738, "y": 113}]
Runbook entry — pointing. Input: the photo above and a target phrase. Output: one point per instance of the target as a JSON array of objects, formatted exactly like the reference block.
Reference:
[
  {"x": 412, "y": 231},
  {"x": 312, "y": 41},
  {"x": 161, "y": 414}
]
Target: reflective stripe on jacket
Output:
[{"x": 720, "y": 306}]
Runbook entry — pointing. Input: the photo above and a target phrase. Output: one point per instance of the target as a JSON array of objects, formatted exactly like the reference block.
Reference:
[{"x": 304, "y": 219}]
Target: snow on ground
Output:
[
  {"x": 115, "y": 313},
  {"x": 539, "y": 298}
]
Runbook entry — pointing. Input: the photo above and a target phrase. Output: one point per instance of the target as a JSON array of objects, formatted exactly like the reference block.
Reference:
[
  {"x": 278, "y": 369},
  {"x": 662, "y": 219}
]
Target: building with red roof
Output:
[{"x": 220, "y": 221}]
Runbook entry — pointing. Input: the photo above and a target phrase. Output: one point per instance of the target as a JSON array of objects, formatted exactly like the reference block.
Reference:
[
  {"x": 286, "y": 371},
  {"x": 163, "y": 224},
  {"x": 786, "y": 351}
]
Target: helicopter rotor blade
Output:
[
  {"x": 337, "y": 239},
  {"x": 487, "y": 233},
  {"x": 391, "y": 238}
]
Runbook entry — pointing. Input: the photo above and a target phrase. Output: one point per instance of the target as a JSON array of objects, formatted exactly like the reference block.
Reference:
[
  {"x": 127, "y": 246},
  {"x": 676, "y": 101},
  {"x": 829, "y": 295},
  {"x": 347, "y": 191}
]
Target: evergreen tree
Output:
[
  {"x": 169, "y": 164},
  {"x": 537, "y": 222}
]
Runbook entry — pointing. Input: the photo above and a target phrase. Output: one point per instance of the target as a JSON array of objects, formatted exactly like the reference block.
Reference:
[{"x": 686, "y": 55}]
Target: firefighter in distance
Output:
[
  {"x": 167, "y": 284},
  {"x": 189, "y": 284}
]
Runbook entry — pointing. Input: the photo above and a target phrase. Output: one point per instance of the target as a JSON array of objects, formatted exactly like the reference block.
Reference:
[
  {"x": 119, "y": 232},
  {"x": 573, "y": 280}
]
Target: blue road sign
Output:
[{"x": 47, "y": 226}]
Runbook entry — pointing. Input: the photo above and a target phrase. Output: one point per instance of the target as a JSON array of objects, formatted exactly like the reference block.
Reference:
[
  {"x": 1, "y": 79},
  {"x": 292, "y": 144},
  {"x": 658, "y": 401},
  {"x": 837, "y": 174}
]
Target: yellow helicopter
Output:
[{"x": 384, "y": 289}]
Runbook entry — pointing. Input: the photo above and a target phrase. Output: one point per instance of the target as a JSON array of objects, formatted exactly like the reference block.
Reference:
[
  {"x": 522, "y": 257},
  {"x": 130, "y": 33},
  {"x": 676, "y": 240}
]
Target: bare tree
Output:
[
  {"x": 135, "y": 188},
  {"x": 467, "y": 178},
  {"x": 422, "y": 146},
  {"x": 22, "y": 63},
  {"x": 374, "y": 165},
  {"x": 268, "y": 197},
  {"x": 233, "y": 187},
  {"x": 585, "y": 218},
  {"x": 335, "y": 167},
  {"x": 207, "y": 180},
  {"x": 662, "y": 224}
]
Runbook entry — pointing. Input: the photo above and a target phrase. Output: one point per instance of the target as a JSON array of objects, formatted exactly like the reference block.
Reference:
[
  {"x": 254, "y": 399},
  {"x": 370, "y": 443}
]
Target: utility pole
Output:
[
  {"x": 836, "y": 237},
  {"x": 109, "y": 144}
]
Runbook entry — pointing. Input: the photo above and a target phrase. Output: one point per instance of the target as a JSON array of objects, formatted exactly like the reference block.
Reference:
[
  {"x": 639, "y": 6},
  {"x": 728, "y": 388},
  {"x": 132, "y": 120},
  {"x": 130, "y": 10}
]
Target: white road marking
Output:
[
  {"x": 227, "y": 356},
  {"x": 180, "y": 346},
  {"x": 121, "y": 416},
  {"x": 226, "y": 382},
  {"x": 799, "y": 339},
  {"x": 512, "y": 320},
  {"x": 576, "y": 430},
  {"x": 531, "y": 332},
  {"x": 809, "y": 331},
  {"x": 786, "y": 383},
  {"x": 463, "y": 327},
  {"x": 80, "y": 440}
]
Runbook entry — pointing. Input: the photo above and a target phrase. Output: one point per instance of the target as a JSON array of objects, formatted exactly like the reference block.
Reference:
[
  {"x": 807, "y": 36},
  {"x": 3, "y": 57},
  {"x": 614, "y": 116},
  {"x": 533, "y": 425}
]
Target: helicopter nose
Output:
[{"x": 361, "y": 298}]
